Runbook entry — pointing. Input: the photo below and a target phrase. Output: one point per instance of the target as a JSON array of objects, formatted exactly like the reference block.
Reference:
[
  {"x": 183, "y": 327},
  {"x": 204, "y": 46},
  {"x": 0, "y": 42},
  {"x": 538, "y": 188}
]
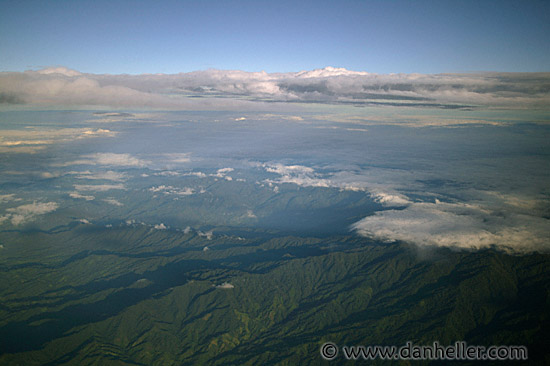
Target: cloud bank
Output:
[
  {"x": 230, "y": 89},
  {"x": 459, "y": 225}
]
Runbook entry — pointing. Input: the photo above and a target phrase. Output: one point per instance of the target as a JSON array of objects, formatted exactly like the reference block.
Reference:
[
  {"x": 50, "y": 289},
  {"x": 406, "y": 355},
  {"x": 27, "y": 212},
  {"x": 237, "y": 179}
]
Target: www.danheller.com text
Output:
[{"x": 457, "y": 351}]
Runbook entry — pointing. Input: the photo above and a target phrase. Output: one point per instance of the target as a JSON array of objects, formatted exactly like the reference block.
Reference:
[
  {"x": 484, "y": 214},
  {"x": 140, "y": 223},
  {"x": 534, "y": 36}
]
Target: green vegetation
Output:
[{"x": 132, "y": 295}]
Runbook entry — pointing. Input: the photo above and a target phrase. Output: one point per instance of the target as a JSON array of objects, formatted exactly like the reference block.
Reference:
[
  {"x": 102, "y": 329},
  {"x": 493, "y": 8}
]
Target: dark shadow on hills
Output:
[
  {"x": 55, "y": 324},
  {"x": 320, "y": 222},
  {"x": 22, "y": 336}
]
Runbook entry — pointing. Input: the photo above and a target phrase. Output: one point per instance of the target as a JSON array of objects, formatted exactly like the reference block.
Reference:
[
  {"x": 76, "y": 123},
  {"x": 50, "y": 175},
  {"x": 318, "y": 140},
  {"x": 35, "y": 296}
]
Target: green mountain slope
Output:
[{"x": 132, "y": 295}]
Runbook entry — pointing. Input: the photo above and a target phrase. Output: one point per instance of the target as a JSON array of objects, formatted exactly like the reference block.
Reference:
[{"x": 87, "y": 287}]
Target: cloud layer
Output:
[
  {"x": 458, "y": 225},
  {"x": 226, "y": 89}
]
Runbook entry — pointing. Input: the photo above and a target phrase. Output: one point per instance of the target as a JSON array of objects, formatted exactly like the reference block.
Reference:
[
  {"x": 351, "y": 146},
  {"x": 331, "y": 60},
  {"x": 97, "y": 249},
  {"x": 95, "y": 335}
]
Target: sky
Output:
[{"x": 137, "y": 37}]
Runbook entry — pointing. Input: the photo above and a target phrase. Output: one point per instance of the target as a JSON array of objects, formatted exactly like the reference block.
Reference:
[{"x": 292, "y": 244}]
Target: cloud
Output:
[
  {"x": 458, "y": 225},
  {"x": 110, "y": 159},
  {"x": 25, "y": 213},
  {"x": 390, "y": 199},
  {"x": 116, "y": 159},
  {"x": 225, "y": 170},
  {"x": 7, "y": 197},
  {"x": 208, "y": 234},
  {"x": 112, "y": 201},
  {"x": 99, "y": 132},
  {"x": 108, "y": 175},
  {"x": 77, "y": 195},
  {"x": 347, "y": 180},
  {"x": 296, "y": 174},
  {"x": 238, "y": 90},
  {"x": 225, "y": 286},
  {"x": 196, "y": 174},
  {"x": 160, "y": 226},
  {"x": 167, "y": 173},
  {"x": 76, "y": 89},
  {"x": 32, "y": 140},
  {"x": 177, "y": 157},
  {"x": 186, "y": 191},
  {"x": 98, "y": 187},
  {"x": 222, "y": 173}
]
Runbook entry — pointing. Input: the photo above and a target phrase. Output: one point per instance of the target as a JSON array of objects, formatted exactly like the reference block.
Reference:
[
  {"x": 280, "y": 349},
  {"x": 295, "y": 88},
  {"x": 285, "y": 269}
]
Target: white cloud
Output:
[
  {"x": 288, "y": 169},
  {"x": 49, "y": 175},
  {"x": 390, "y": 199},
  {"x": 177, "y": 157},
  {"x": 348, "y": 180},
  {"x": 31, "y": 140},
  {"x": 116, "y": 159},
  {"x": 112, "y": 201},
  {"x": 160, "y": 226},
  {"x": 186, "y": 191},
  {"x": 196, "y": 174},
  {"x": 222, "y": 173},
  {"x": 108, "y": 175},
  {"x": 99, "y": 132},
  {"x": 7, "y": 197},
  {"x": 225, "y": 286},
  {"x": 77, "y": 195},
  {"x": 24, "y": 213},
  {"x": 160, "y": 188},
  {"x": 111, "y": 159},
  {"x": 458, "y": 225},
  {"x": 98, "y": 187},
  {"x": 296, "y": 174},
  {"x": 208, "y": 234},
  {"x": 329, "y": 72},
  {"x": 167, "y": 173}
]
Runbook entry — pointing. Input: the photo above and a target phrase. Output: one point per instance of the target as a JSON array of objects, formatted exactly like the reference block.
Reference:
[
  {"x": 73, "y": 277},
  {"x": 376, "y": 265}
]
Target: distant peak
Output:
[{"x": 329, "y": 71}]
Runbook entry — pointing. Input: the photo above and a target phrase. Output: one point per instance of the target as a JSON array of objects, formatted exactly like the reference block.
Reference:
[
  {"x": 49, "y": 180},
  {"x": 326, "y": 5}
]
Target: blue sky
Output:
[{"x": 275, "y": 36}]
